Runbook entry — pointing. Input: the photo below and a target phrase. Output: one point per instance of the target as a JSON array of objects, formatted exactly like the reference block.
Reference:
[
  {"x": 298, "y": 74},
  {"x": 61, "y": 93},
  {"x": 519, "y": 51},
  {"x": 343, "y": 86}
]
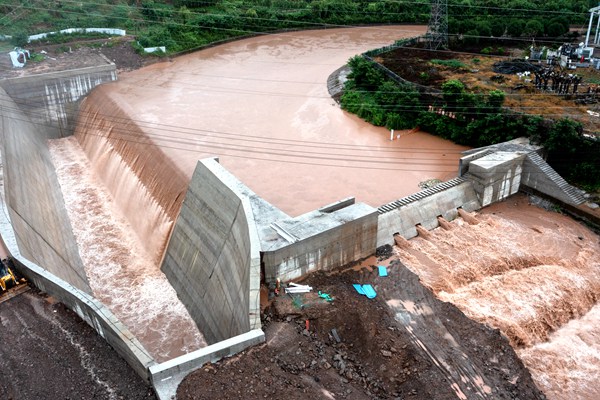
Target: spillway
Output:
[
  {"x": 261, "y": 105},
  {"x": 535, "y": 275}
]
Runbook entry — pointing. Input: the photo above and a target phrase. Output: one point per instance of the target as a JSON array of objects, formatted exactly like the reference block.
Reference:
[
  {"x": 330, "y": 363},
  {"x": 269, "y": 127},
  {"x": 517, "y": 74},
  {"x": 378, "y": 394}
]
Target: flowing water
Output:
[
  {"x": 262, "y": 106},
  {"x": 533, "y": 274},
  {"x": 121, "y": 273}
]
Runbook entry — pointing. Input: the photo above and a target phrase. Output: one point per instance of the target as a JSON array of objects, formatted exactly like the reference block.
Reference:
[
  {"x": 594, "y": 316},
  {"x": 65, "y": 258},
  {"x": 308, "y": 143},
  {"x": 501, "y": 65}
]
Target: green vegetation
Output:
[
  {"x": 186, "y": 24},
  {"x": 450, "y": 63},
  {"x": 472, "y": 119}
]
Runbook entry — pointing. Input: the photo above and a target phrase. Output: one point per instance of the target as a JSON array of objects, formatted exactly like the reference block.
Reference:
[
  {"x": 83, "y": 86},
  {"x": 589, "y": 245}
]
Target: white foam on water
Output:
[
  {"x": 531, "y": 273},
  {"x": 122, "y": 275}
]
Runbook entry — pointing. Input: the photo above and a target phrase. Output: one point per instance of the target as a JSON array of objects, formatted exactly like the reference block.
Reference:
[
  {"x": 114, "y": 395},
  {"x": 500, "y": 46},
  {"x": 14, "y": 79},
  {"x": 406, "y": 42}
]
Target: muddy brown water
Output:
[
  {"x": 533, "y": 274},
  {"x": 261, "y": 105}
]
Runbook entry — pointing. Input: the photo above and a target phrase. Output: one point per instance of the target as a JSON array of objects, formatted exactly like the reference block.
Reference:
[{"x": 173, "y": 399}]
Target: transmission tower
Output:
[{"x": 437, "y": 31}]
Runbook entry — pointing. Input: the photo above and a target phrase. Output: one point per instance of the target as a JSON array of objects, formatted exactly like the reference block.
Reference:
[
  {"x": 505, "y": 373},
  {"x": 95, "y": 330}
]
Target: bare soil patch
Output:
[
  {"x": 476, "y": 72},
  {"x": 78, "y": 54},
  {"x": 379, "y": 355},
  {"x": 48, "y": 352}
]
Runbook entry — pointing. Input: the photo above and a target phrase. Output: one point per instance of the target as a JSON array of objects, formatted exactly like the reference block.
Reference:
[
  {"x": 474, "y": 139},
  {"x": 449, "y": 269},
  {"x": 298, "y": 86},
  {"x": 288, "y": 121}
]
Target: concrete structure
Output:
[
  {"x": 33, "y": 197},
  {"x": 52, "y": 99},
  {"x": 486, "y": 175},
  {"x": 213, "y": 259},
  {"x": 35, "y": 227},
  {"x": 323, "y": 239},
  {"x": 225, "y": 236},
  {"x": 496, "y": 176},
  {"x": 423, "y": 208}
]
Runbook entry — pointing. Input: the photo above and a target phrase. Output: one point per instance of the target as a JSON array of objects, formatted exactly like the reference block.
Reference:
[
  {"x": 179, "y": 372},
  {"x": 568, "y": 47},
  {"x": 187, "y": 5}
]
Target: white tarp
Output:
[{"x": 109, "y": 31}]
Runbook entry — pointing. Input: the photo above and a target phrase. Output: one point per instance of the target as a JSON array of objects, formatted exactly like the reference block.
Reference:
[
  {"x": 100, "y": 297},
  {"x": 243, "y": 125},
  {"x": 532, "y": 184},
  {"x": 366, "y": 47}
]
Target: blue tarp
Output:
[
  {"x": 359, "y": 288},
  {"x": 369, "y": 291},
  {"x": 366, "y": 290}
]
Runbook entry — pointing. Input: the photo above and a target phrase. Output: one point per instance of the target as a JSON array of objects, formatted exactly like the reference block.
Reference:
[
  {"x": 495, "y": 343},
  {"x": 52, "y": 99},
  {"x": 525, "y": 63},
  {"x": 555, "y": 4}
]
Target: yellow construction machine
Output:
[{"x": 8, "y": 278}]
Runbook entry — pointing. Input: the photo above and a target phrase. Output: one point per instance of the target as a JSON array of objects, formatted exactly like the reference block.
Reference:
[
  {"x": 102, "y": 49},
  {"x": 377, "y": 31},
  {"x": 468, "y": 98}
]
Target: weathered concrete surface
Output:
[
  {"x": 323, "y": 239},
  {"x": 211, "y": 259},
  {"x": 52, "y": 99},
  {"x": 496, "y": 176},
  {"x": 33, "y": 197},
  {"x": 424, "y": 207}
]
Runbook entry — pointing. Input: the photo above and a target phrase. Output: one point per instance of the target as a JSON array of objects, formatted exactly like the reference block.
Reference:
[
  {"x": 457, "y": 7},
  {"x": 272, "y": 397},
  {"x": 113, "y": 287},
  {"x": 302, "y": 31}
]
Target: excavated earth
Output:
[{"x": 357, "y": 348}]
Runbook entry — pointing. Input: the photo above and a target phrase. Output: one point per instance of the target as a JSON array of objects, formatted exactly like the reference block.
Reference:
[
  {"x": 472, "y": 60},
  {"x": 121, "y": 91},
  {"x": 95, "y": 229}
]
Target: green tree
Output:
[
  {"x": 515, "y": 27},
  {"x": 563, "y": 137},
  {"x": 533, "y": 28},
  {"x": 555, "y": 29},
  {"x": 498, "y": 27},
  {"x": 495, "y": 100},
  {"x": 452, "y": 92}
]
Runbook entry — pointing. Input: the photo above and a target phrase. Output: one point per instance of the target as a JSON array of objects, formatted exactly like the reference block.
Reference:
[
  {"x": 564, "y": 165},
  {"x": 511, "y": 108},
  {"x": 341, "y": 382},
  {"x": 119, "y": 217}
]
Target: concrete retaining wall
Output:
[
  {"x": 88, "y": 308},
  {"x": 33, "y": 197},
  {"x": 52, "y": 100},
  {"x": 321, "y": 240},
  {"x": 213, "y": 255},
  {"x": 425, "y": 210},
  {"x": 167, "y": 376}
]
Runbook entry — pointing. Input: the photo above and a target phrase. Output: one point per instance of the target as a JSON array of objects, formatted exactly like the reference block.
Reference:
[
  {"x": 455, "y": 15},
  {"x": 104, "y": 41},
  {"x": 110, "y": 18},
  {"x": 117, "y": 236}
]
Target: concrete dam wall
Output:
[
  {"x": 51, "y": 100},
  {"x": 33, "y": 197},
  {"x": 145, "y": 185},
  {"x": 213, "y": 259},
  {"x": 423, "y": 208}
]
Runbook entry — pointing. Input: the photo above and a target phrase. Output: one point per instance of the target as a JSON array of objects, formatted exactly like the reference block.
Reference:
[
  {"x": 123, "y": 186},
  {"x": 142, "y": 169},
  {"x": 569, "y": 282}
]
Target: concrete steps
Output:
[
  {"x": 420, "y": 195},
  {"x": 571, "y": 192}
]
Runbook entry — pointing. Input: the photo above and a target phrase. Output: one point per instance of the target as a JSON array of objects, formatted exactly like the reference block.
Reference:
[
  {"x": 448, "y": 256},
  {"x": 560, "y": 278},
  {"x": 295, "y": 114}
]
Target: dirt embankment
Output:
[
  {"x": 78, "y": 54},
  {"x": 423, "y": 349}
]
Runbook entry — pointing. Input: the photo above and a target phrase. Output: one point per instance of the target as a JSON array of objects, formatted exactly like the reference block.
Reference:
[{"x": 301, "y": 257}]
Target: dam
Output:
[{"x": 271, "y": 197}]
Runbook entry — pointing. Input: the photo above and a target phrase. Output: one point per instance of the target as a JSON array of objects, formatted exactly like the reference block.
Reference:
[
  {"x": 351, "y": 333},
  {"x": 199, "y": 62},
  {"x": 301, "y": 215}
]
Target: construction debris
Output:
[{"x": 296, "y": 288}]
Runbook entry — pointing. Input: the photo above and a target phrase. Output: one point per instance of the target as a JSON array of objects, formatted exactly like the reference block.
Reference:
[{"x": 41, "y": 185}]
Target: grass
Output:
[{"x": 456, "y": 64}]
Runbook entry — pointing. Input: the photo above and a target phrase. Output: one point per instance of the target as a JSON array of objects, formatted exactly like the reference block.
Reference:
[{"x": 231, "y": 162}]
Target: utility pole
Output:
[{"x": 437, "y": 31}]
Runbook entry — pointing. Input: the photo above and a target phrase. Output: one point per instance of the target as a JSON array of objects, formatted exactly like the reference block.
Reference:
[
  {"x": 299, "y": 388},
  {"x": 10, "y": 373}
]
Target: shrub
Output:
[{"x": 450, "y": 63}]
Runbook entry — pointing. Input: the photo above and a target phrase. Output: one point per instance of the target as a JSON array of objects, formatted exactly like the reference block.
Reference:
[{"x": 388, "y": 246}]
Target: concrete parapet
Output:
[
  {"x": 52, "y": 99},
  {"x": 324, "y": 239},
  {"x": 463, "y": 163},
  {"x": 212, "y": 259},
  {"x": 167, "y": 376},
  {"x": 88, "y": 308},
  {"x": 425, "y": 210},
  {"x": 33, "y": 197}
]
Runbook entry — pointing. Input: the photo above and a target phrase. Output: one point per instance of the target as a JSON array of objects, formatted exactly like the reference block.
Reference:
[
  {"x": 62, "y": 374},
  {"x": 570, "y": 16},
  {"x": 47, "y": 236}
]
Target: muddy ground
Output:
[
  {"x": 357, "y": 348},
  {"x": 48, "y": 352}
]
